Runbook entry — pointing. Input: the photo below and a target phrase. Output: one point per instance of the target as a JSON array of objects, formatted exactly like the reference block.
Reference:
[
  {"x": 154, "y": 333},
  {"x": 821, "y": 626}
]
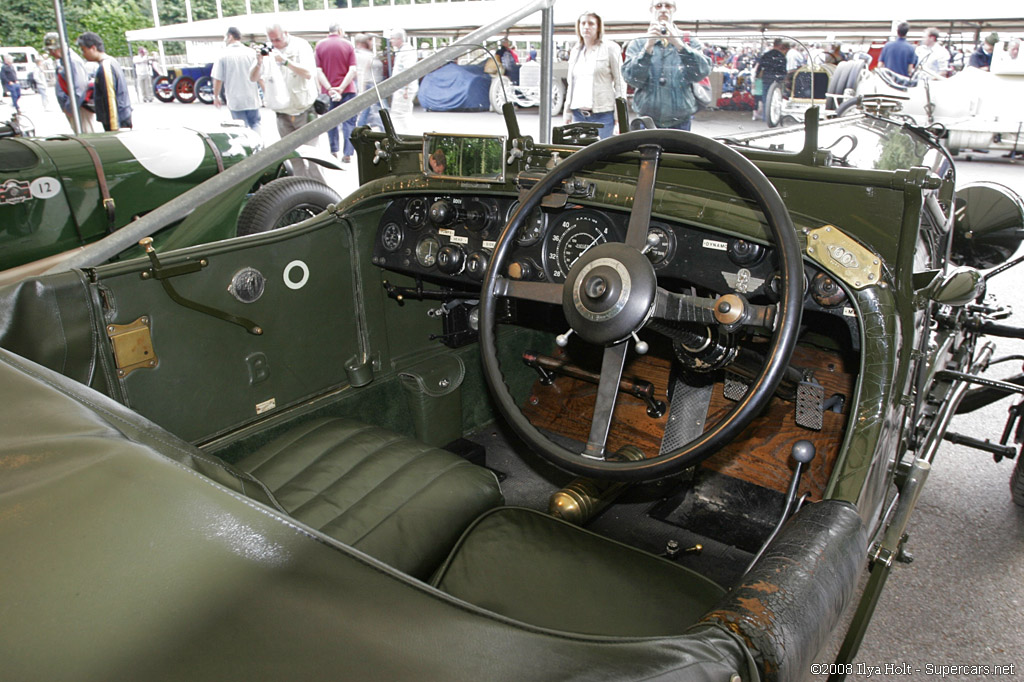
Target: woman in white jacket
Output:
[{"x": 595, "y": 76}]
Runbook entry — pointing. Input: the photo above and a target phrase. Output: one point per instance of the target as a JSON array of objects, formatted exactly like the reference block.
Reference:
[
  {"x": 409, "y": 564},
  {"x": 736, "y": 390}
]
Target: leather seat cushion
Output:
[
  {"x": 541, "y": 570},
  {"x": 392, "y": 497}
]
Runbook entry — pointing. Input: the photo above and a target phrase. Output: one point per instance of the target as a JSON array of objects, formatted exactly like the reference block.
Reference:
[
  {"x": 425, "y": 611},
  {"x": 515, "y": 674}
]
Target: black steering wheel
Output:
[{"x": 611, "y": 292}]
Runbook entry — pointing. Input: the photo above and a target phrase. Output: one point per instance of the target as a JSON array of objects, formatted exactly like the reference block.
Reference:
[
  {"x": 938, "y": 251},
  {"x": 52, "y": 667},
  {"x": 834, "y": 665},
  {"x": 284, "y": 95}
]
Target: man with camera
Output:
[
  {"x": 288, "y": 70},
  {"x": 662, "y": 67}
]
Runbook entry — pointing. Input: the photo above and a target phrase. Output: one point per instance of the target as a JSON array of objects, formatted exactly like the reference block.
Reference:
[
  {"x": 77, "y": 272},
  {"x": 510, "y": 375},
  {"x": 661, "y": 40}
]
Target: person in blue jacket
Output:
[{"x": 662, "y": 67}]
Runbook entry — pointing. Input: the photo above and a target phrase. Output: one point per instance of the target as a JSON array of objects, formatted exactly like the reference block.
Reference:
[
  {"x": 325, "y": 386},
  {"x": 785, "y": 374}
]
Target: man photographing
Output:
[
  {"x": 662, "y": 66},
  {"x": 288, "y": 71}
]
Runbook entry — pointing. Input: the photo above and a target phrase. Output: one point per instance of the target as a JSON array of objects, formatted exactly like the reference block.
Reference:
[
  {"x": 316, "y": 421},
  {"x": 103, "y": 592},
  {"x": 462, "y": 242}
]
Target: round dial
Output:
[
  {"x": 391, "y": 237},
  {"x": 661, "y": 244},
  {"x": 573, "y": 235},
  {"x": 427, "y": 249},
  {"x": 533, "y": 229},
  {"x": 416, "y": 211}
]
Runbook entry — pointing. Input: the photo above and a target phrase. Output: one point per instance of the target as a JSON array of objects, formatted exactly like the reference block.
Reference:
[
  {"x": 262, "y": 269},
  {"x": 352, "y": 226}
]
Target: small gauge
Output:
[
  {"x": 661, "y": 244},
  {"x": 533, "y": 229},
  {"x": 391, "y": 237},
  {"x": 416, "y": 211},
  {"x": 427, "y": 249}
]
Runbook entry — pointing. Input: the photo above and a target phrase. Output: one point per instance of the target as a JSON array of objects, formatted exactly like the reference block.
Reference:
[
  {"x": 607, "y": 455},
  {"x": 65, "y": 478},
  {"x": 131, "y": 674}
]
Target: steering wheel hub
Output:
[{"x": 609, "y": 293}]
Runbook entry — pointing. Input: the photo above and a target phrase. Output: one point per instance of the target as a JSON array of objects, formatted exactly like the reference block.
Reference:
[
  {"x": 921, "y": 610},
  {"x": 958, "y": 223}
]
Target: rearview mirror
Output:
[{"x": 464, "y": 157}]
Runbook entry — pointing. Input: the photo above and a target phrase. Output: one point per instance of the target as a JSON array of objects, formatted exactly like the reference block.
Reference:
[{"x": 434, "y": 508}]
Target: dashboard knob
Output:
[
  {"x": 520, "y": 269},
  {"x": 451, "y": 259},
  {"x": 442, "y": 212},
  {"x": 476, "y": 265}
]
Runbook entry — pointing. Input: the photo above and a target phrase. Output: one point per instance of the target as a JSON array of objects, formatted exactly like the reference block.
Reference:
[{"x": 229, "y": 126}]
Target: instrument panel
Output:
[{"x": 449, "y": 239}]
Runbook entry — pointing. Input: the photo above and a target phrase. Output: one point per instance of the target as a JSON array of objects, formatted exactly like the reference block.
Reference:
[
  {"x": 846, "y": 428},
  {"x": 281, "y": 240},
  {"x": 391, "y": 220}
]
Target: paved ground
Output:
[{"x": 960, "y": 602}]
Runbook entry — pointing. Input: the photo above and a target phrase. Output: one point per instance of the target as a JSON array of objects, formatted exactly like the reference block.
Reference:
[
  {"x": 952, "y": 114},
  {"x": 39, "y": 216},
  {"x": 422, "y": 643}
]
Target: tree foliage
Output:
[{"x": 25, "y": 22}]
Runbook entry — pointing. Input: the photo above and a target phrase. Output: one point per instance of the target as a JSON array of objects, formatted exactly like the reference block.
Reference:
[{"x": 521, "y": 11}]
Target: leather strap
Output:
[
  {"x": 213, "y": 148},
  {"x": 101, "y": 179}
]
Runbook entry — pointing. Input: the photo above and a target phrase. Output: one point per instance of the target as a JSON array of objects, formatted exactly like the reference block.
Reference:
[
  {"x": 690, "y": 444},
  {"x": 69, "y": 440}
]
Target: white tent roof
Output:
[{"x": 839, "y": 20}]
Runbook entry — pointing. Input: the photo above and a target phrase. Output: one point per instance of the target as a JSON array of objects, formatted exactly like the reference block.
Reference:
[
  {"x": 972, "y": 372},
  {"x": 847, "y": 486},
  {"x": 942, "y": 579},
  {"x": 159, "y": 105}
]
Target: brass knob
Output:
[{"x": 147, "y": 244}]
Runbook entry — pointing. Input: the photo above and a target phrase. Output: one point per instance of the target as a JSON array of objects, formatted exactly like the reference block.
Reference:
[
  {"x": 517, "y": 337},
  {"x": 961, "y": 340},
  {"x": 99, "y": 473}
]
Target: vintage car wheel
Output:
[
  {"x": 282, "y": 202},
  {"x": 611, "y": 293},
  {"x": 184, "y": 89},
  {"x": 204, "y": 90},
  {"x": 774, "y": 101},
  {"x": 1017, "y": 482},
  {"x": 162, "y": 89},
  {"x": 557, "y": 97}
]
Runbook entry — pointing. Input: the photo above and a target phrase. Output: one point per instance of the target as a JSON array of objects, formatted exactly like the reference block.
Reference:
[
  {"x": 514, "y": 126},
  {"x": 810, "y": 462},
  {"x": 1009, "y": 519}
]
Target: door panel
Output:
[{"x": 211, "y": 375}]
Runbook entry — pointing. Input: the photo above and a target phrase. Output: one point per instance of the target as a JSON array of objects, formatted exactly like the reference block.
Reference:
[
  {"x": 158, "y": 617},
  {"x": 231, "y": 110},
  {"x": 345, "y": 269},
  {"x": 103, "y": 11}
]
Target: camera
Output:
[
  {"x": 263, "y": 48},
  {"x": 664, "y": 30}
]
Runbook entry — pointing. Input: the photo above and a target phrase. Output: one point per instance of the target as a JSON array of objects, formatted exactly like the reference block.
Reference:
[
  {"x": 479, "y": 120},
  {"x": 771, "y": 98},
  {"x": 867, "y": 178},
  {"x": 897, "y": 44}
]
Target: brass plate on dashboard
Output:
[
  {"x": 133, "y": 346},
  {"x": 844, "y": 257}
]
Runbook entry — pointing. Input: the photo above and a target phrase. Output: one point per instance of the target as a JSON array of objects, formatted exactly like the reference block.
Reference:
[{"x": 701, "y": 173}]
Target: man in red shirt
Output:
[{"x": 336, "y": 72}]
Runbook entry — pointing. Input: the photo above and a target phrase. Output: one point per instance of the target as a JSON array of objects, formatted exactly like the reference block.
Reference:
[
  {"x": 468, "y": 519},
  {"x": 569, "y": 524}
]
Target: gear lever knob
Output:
[{"x": 803, "y": 451}]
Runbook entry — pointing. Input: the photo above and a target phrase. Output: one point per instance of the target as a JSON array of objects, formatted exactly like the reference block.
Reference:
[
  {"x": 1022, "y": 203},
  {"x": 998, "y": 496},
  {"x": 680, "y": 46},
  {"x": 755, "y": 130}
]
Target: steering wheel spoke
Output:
[
  {"x": 643, "y": 198},
  {"x": 607, "y": 391},
  {"x": 732, "y": 311},
  {"x": 543, "y": 292}
]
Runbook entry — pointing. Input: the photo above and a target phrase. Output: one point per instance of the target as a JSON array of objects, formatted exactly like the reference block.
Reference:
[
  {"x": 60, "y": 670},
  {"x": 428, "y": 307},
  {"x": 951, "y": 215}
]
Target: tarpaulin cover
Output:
[{"x": 455, "y": 88}]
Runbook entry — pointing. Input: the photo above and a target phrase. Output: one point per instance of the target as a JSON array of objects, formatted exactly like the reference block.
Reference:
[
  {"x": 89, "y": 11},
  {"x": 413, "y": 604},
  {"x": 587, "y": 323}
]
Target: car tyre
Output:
[
  {"x": 282, "y": 202},
  {"x": 184, "y": 89},
  {"x": 204, "y": 90},
  {"x": 836, "y": 84},
  {"x": 1017, "y": 481},
  {"x": 773, "y": 104},
  {"x": 162, "y": 89},
  {"x": 557, "y": 97}
]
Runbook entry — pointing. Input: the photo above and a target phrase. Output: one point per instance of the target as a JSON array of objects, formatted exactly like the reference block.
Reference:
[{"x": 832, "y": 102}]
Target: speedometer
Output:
[{"x": 571, "y": 236}]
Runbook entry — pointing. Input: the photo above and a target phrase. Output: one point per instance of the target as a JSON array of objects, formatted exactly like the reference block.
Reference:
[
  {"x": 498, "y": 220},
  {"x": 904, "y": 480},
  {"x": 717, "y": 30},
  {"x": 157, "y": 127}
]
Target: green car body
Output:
[
  {"x": 51, "y": 199},
  {"x": 128, "y": 552}
]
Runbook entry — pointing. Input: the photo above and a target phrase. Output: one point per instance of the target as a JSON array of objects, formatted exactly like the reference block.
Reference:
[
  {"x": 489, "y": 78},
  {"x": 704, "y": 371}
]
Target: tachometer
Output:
[
  {"x": 533, "y": 229},
  {"x": 572, "y": 236}
]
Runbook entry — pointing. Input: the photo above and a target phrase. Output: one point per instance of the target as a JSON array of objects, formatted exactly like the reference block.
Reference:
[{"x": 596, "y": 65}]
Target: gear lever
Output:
[{"x": 803, "y": 452}]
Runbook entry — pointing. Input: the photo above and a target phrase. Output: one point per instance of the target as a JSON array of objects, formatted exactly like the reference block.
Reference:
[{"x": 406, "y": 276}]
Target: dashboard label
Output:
[
  {"x": 489, "y": 244},
  {"x": 446, "y": 232},
  {"x": 716, "y": 245},
  {"x": 458, "y": 240}
]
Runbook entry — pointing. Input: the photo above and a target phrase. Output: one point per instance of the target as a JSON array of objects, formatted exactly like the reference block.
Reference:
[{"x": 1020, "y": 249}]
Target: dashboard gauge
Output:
[
  {"x": 416, "y": 211},
  {"x": 391, "y": 237},
  {"x": 573, "y": 235},
  {"x": 427, "y": 249},
  {"x": 661, "y": 243},
  {"x": 533, "y": 229}
]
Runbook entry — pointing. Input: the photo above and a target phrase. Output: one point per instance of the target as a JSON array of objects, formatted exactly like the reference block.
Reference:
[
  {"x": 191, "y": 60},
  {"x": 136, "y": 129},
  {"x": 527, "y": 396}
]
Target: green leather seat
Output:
[
  {"x": 389, "y": 496},
  {"x": 543, "y": 571}
]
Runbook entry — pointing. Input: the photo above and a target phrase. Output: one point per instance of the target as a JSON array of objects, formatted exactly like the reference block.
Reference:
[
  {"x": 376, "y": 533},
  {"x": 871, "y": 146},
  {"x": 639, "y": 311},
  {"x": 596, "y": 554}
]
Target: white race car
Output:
[{"x": 978, "y": 109}]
